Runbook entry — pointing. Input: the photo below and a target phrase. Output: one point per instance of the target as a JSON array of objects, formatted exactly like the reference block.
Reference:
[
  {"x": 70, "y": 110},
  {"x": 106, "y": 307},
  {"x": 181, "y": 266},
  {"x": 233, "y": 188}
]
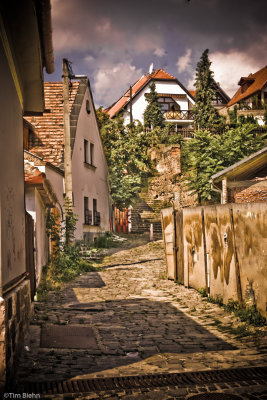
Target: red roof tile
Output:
[
  {"x": 159, "y": 74},
  {"x": 49, "y": 127},
  {"x": 259, "y": 79}
]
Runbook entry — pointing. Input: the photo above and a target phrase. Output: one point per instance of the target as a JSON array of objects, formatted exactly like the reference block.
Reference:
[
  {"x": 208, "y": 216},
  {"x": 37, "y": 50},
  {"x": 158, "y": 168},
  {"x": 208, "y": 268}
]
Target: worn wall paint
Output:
[
  {"x": 12, "y": 222},
  {"x": 168, "y": 237},
  {"x": 250, "y": 222},
  {"x": 194, "y": 263},
  {"x": 236, "y": 250}
]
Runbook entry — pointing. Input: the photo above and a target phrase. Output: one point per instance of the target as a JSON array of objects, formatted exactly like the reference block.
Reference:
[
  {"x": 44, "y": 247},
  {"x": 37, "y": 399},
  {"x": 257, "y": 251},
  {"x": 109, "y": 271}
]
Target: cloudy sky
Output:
[{"x": 114, "y": 42}]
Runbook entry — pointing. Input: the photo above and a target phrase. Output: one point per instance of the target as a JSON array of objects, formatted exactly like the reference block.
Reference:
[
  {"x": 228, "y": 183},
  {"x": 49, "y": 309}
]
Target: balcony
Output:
[
  {"x": 87, "y": 217},
  {"x": 181, "y": 115},
  {"x": 97, "y": 218}
]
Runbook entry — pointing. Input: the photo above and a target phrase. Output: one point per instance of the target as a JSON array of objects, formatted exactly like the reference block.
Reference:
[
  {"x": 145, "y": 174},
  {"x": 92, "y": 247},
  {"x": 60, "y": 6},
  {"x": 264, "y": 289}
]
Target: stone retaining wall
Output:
[{"x": 15, "y": 315}]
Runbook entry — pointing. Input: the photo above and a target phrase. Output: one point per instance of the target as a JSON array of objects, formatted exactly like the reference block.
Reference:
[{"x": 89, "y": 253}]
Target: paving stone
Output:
[{"x": 141, "y": 313}]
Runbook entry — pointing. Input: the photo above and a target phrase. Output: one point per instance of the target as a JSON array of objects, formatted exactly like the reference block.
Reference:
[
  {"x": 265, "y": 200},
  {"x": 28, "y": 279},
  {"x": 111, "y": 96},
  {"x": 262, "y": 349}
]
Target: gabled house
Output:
[
  {"x": 245, "y": 181},
  {"x": 220, "y": 98},
  {"x": 251, "y": 97},
  {"x": 40, "y": 197},
  {"x": 175, "y": 100},
  {"x": 25, "y": 49},
  {"x": 45, "y": 138}
]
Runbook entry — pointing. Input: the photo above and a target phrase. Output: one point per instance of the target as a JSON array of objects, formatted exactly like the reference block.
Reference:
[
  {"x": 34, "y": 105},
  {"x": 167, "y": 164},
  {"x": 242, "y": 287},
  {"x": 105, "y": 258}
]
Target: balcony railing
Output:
[
  {"x": 87, "y": 217},
  {"x": 97, "y": 218},
  {"x": 182, "y": 115}
]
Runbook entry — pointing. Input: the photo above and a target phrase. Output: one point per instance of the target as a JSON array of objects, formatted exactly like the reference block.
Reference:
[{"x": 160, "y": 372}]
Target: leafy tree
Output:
[
  {"x": 101, "y": 116},
  {"x": 208, "y": 154},
  {"x": 153, "y": 116},
  {"x": 126, "y": 150},
  {"x": 205, "y": 114}
]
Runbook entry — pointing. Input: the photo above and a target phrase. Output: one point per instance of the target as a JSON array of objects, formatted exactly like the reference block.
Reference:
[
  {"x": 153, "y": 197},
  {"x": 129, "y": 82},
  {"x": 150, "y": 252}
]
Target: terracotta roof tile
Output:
[
  {"x": 49, "y": 126},
  {"x": 159, "y": 74},
  {"x": 259, "y": 81},
  {"x": 192, "y": 92},
  {"x": 31, "y": 173}
]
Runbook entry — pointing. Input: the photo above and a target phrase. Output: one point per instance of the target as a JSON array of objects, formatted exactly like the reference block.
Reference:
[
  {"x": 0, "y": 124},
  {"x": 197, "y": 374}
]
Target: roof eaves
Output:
[{"x": 237, "y": 164}]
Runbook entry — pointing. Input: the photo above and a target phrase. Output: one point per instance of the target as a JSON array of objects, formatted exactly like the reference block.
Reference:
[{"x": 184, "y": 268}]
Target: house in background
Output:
[
  {"x": 244, "y": 181},
  {"x": 45, "y": 137},
  {"x": 175, "y": 100},
  {"x": 220, "y": 99},
  {"x": 251, "y": 97},
  {"x": 25, "y": 49},
  {"x": 40, "y": 197}
]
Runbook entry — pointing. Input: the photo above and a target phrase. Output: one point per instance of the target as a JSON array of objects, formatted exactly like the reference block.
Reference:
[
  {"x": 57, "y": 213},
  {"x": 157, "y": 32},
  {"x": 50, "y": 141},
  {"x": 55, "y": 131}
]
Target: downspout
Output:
[{"x": 215, "y": 188}]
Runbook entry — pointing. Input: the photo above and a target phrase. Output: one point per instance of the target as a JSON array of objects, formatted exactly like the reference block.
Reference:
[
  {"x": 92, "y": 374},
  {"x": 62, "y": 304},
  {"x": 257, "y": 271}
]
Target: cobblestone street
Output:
[{"x": 141, "y": 323}]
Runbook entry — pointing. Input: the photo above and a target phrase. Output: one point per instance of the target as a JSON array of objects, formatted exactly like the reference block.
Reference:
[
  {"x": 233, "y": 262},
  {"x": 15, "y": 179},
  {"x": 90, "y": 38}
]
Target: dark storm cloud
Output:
[{"x": 114, "y": 42}]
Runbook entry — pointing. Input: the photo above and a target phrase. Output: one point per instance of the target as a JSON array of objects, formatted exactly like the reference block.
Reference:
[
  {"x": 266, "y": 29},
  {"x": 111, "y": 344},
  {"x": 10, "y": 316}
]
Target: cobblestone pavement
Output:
[{"x": 143, "y": 324}]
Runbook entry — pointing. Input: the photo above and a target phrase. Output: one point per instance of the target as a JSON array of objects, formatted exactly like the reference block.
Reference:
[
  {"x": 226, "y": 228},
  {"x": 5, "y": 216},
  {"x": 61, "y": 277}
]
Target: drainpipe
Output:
[
  {"x": 66, "y": 119},
  {"x": 224, "y": 191},
  {"x": 215, "y": 188}
]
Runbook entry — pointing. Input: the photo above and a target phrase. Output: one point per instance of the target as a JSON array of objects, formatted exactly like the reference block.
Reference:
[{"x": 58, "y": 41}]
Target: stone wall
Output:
[
  {"x": 248, "y": 191},
  {"x": 165, "y": 189},
  {"x": 15, "y": 314}
]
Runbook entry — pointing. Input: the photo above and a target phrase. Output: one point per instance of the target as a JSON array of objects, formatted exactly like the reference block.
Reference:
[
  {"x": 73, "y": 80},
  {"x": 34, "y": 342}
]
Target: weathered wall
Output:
[
  {"x": 254, "y": 190},
  {"x": 163, "y": 190},
  {"x": 224, "y": 250},
  {"x": 12, "y": 213},
  {"x": 250, "y": 224},
  {"x": 194, "y": 262},
  {"x": 18, "y": 310}
]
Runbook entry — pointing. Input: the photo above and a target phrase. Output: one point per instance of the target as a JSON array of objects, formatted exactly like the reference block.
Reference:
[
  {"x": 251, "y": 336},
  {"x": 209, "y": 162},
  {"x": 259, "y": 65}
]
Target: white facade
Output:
[
  {"x": 36, "y": 208},
  {"x": 139, "y": 102},
  {"x": 89, "y": 178}
]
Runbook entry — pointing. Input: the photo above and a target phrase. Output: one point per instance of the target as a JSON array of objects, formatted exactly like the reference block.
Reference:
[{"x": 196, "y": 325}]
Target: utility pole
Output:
[
  {"x": 131, "y": 106},
  {"x": 66, "y": 121}
]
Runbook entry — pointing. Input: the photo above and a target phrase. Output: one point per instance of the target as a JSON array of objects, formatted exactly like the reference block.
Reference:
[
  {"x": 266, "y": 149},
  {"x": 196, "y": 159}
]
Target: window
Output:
[
  {"x": 85, "y": 147},
  {"x": 168, "y": 104},
  {"x": 92, "y": 149},
  {"x": 96, "y": 214},
  {"x": 87, "y": 107},
  {"x": 87, "y": 212}
]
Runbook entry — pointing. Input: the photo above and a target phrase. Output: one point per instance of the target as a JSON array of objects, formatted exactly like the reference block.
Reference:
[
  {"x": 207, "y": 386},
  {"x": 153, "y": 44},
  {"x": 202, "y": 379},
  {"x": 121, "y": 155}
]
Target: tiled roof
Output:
[
  {"x": 159, "y": 74},
  {"x": 32, "y": 174},
  {"x": 192, "y": 92},
  {"x": 49, "y": 126},
  {"x": 259, "y": 81}
]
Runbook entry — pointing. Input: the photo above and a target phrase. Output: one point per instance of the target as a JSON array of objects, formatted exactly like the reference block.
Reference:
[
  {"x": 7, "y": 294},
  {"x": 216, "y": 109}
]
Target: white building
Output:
[
  {"x": 89, "y": 167},
  {"x": 176, "y": 101}
]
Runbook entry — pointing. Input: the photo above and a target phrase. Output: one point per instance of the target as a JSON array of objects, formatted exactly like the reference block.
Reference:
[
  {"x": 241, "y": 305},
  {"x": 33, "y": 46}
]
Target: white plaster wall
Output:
[
  {"x": 89, "y": 182},
  {"x": 41, "y": 245},
  {"x": 57, "y": 182},
  {"x": 12, "y": 213},
  {"x": 36, "y": 208},
  {"x": 139, "y": 102}
]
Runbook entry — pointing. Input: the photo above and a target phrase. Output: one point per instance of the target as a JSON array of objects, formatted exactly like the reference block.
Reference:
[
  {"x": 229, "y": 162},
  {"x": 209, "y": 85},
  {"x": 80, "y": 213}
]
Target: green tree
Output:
[
  {"x": 209, "y": 153},
  {"x": 153, "y": 116},
  {"x": 101, "y": 116},
  {"x": 126, "y": 150},
  {"x": 205, "y": 114}
]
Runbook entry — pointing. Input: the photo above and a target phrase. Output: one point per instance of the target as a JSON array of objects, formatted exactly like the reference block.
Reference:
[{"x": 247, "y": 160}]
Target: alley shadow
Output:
[{"x": 126, "y": 332}]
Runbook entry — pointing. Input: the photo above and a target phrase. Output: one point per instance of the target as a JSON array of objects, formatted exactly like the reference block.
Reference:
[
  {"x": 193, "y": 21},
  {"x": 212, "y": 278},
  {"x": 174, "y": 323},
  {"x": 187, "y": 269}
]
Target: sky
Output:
[{"x": 115, "y": 42}]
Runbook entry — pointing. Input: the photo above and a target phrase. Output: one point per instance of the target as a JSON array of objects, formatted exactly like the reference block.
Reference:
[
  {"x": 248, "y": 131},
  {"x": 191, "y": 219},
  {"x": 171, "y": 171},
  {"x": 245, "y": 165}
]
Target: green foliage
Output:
[
  {"x": 153, "y": 116},
  {"x": 65, "y": 261},
  {"x": 101, "y": 116},
  {"x": 203, "y": 292},
  {"x": 205, "y": 114},
  {"x": 248, "y": 314},
  {"x": 208, "y": 154},
  {"x": 126, "y": 150}
]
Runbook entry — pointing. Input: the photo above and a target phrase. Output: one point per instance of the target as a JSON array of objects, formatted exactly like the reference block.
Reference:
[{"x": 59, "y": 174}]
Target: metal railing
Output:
[
  {"x": 97, "y": 218},
  {"x": 87, "y": 217}
]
